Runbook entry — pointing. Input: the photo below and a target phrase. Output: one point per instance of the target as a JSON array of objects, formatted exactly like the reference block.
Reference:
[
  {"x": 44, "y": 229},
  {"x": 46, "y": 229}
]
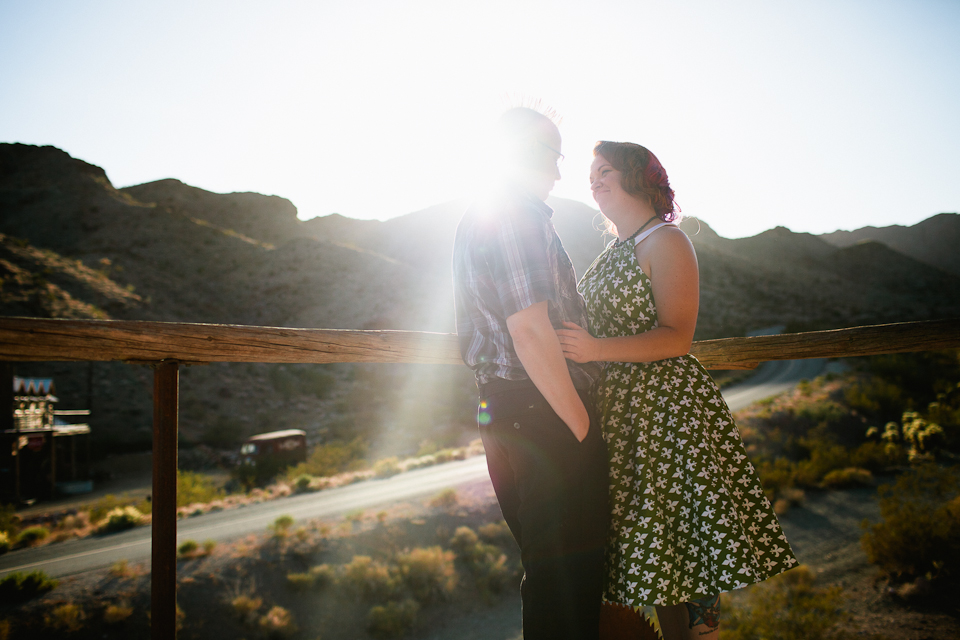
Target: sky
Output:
[{"x": 813, "y": 115}]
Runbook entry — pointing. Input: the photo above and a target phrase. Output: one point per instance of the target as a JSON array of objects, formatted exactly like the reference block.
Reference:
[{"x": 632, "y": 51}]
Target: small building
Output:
[{"x": 42, "y": 455}]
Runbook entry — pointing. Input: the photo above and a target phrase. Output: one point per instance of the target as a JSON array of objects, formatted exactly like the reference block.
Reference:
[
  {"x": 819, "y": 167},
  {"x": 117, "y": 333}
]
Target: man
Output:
[{"x": 514, "y": 285}]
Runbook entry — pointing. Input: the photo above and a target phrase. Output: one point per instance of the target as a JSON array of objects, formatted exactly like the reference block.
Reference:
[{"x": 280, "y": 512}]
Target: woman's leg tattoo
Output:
[{"x": 705, "y": 611}]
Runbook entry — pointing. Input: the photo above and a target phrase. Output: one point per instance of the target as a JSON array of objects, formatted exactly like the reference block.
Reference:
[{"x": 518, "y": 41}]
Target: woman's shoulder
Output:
[{"x": 669, "y": 237}]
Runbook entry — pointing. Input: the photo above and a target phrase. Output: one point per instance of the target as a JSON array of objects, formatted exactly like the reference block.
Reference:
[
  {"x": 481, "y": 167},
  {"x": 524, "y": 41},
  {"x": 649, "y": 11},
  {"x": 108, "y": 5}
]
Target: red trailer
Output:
[{"x": 275, "y": 449}]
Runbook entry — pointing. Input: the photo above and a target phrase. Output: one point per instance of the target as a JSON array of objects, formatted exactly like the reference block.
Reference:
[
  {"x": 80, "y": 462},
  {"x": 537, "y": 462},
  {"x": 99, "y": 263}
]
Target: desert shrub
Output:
[
  {"x": 116, "y": 613},
  {"x": 787, "y": 607},
  {"x": 876, "y": 456},
  {"x": 121, "y": 569},
  {"x": 281, "y": 526},
  {"x": 427, "y": 447},
  {"x": 495, "y": 532},
  {"x": 66, "y": 617},
  {"x": 323, "y": 576},
  {"x": 486, "y": 562},
  {"x": 246, "y": 607},
  {"x": 99, "y": 509},
  {"x": 20, "y": 587},
  {"x": 9, "y": 520},
  {"x": 445, "y": 499},
  {"x": 195, "y": 487},
  {"x": 188, "y": 548},
  {"x": 919, "y": 535},
  {"x": 464, "y": 539},
  {"x": 354, "y": 516},
  {"x": 332, "y": 458},
  {"x": 278, "y": 623},
  {"x": 824, "y": 457},
  {"x": 300, "y": 581},
  {"x": 368, "y": 578},
  {"x": 302, "y": 482},
  {"x": 120, "y": 519},
  {"x": 4, "y": 542},
  {"x": 428, "y": 572},
  {"x": 849, "y": 477},
  {"x": 209, "y": 546},
  {"x": 32, "y": 535},
  {"x": 386, "y": 467},
  {"x": 393, "y": 619}
]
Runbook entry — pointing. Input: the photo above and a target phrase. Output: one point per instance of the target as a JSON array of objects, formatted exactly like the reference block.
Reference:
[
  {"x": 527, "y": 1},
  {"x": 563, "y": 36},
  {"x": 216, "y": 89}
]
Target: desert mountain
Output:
[
  {"x": 75, "y": 246},
  {"x": 934, "y": 241}
]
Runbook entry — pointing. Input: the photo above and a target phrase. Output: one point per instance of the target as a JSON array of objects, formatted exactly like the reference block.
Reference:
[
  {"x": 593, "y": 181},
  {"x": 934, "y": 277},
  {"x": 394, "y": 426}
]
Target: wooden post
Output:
[{"x": 163, "y": 578}]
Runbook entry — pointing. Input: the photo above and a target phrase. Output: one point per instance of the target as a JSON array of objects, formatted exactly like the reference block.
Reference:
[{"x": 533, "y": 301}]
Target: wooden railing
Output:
[{"x": 166, "y": 345}]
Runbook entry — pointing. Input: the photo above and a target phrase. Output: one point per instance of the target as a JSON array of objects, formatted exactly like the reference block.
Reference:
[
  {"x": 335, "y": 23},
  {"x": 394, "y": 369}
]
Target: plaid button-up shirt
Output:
[{"x": 507, "y": 257}]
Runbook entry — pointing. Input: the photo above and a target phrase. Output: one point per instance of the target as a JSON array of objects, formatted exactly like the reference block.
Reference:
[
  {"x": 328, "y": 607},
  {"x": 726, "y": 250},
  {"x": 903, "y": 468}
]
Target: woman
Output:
[{"x": 690, "y": 519}]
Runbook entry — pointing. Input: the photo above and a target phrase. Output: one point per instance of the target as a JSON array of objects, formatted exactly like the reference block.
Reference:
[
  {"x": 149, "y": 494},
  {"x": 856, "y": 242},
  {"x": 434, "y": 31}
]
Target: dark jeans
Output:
[{"x": 552, "y": 491}]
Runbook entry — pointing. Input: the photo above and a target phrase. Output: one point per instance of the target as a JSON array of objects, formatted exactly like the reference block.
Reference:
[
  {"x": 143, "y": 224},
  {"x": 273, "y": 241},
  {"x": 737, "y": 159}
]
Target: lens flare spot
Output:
[{"x": 483, "y": 417}]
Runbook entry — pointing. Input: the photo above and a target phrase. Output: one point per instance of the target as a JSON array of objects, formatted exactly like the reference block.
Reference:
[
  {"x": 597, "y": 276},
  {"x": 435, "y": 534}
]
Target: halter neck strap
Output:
[{"x": 640, "y": 238}]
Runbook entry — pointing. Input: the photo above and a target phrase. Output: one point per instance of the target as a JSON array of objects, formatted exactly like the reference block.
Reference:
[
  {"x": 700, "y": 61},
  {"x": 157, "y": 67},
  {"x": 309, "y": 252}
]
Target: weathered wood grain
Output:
[
  {"x": 41, "y": 339},
  {"x": 132, "y": 341}
]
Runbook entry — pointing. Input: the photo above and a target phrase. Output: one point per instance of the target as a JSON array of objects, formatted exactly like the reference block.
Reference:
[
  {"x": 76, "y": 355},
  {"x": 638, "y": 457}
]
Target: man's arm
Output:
[{"x": 538, "y": 348}]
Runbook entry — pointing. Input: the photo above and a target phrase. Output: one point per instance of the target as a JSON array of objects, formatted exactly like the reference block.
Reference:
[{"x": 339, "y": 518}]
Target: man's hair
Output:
[{"x": 520, "y": 128}]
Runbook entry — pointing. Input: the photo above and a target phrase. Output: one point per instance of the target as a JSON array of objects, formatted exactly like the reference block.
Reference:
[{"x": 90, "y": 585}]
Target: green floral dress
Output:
[{"x": 690, "y": 518}]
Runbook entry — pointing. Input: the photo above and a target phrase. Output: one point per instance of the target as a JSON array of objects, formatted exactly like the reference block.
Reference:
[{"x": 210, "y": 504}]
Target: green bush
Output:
[
  {"x": 117, "y": 613},
  {"x": 386, "y": 467},
  {"x": 919, "y": 535},
  {"x": 787, "y": 607},
  {"x": 332, "y": 458},
  {"x": 300, "y": 581},
  {"x": 323, "y": 576},
  {"x": 393, "y": 619},
  {"x": 495, "y": 532},
  {"x": 278, "y": 623},
  {"x": 99, "y": 510},
  {"x": 32, "y": 535},
  {"x": 849, "y": 477},
  {"x": 196, "y": 487},
  {"x": 445, "y": 499},
  {"x": 281, "y": 526},
  {"x": 20, "y": 587},
  {"x": 428, "y": 572},
  {"x": 120, "y": 519},
  {"x": 66, "y": 617},
  {"x": 302, "y": 482},
  {"x": 464, "y": 539},
  {"x": 9, "y": 520},
  {"x": 369, "y": 579},
  {"x": 485, "y": 561},
  {"x": 4, "y": 542},
  {"x": 188, "y": 548}
]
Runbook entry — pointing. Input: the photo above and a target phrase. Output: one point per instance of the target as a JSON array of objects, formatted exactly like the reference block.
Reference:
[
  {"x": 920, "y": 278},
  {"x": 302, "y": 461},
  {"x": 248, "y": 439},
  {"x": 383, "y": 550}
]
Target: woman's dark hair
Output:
[{"x": 641, "y": 175}]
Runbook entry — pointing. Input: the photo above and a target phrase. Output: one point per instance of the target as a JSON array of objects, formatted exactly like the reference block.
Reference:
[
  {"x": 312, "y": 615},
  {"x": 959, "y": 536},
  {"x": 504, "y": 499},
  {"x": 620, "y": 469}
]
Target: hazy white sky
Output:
[{"x": 812, "y": 115}]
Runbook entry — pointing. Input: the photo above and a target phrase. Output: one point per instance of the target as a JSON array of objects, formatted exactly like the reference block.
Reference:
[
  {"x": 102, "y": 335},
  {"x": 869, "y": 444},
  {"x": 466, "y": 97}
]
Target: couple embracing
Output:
[{"x": 615, "y": 460}]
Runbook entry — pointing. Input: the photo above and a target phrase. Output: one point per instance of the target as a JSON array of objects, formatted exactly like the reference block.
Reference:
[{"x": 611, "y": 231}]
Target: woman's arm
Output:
[
  {"x": 539, "y": 352},
  {"x": 671, "y": 264}
]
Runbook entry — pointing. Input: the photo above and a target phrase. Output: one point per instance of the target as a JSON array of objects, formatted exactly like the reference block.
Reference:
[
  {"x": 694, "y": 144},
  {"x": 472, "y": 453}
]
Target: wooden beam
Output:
[
  {"x": 132, "y": 341},
  {"x": 732, "y": 353},
  {"x": 163, "y": 552}
]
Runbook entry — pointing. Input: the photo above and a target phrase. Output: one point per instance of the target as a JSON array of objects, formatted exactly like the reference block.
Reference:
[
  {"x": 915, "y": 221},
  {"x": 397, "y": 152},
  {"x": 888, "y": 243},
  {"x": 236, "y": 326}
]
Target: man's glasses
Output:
[{"x": 560, "y": 156}]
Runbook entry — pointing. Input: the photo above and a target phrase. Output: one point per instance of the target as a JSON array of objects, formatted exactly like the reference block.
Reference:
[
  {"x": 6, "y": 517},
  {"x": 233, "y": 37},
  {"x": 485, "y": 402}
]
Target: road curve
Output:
[{"x": 76, "y": 556}]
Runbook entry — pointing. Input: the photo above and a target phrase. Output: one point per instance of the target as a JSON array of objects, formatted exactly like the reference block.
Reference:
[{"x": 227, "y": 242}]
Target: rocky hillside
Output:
[
  {"x": 934, "y": 241},
  {"x": 75, "y": 246}
]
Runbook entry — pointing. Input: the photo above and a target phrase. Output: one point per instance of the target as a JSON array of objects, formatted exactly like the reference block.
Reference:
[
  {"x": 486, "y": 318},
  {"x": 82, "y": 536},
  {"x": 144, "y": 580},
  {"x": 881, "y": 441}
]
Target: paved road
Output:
[{"x": 90, "y": 553}]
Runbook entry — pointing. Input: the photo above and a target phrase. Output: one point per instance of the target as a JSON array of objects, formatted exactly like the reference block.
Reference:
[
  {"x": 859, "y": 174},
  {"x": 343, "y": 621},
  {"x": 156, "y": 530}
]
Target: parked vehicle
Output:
[{"x": 262, "y": 456}]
